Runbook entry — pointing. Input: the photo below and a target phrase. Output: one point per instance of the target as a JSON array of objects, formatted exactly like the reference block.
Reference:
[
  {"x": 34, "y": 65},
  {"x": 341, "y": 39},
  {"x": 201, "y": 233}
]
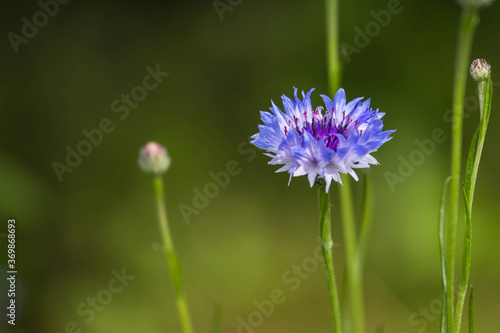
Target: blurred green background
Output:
[{"x": 101, "y": 217}]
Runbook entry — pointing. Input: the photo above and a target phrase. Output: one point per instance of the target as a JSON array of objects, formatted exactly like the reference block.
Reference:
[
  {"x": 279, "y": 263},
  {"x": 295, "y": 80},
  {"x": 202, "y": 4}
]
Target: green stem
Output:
[
  {"x": 326, "y": 247},
  {"x": 467, "y": 28},
  {"x": 471, "y": 311},
  {"x": 481, "y": 88},
  {"x": 353, "y": 266},
  {"x": 484, "y": 89},
  {"x": 352, "y": 259},
  {"x": 442, "y": 253},
  {"x": 466, "y": 260},
  {"x": 366, "y": 219},
  {"x": 470, "y": 185},
  {"x": 173, "y": 261},
  {"x": 332, "y": 44}
]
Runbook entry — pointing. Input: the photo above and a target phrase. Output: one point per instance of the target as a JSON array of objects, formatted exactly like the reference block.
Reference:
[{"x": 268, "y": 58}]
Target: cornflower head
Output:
[{"x": 321, "y": 144}]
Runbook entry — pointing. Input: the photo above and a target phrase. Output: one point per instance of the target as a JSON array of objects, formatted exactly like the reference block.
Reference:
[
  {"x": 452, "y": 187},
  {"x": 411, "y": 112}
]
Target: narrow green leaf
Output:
[
  {"x": 472, "y": 170},
  {"x": 444, "y": 321},
  {"x": 468, "y": 193},
  {"x": 466, "y": 260},
  {"x": 487, "y": 101},
  {"x": 470, "y": 161},
  {"x": 471, "y": 310},
  {"x": 442, "y": 252}
]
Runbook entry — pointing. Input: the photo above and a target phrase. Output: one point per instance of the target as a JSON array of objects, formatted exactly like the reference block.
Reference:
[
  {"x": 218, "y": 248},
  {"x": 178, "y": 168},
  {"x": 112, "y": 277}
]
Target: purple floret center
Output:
[{"x": 325, "y": 126}]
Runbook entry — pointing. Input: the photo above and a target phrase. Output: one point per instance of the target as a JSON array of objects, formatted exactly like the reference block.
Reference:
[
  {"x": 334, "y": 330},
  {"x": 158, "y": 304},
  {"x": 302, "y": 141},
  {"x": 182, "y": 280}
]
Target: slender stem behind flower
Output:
[
  {"x": 366, "y": 219},
  {"x": 332, "y": 44},
  {"x": 326, "y": 247},
  {"x": 334, "y": 73},
  {"x": 353, "y": 261},
  {"x": 467, "y": 28},
  {"x": 173, "y": 261}
]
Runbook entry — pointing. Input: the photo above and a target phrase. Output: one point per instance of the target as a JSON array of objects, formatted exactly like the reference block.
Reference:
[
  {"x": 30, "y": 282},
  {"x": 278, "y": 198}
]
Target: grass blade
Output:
[
  {"x": 470, "y": 161},
  {"x": 442, "y": 252},
  {"x": 444, "y": 320},
  {"x": 471, "y": 310},
  {"x": 466, "y": 259}
]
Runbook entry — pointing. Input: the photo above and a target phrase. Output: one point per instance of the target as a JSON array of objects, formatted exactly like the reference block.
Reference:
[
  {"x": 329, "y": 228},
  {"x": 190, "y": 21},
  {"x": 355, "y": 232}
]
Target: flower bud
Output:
[
  {"x": 480, "y": 70},
  {"x": 475, "y": 3},
  {"x": 154, "y": 159}
]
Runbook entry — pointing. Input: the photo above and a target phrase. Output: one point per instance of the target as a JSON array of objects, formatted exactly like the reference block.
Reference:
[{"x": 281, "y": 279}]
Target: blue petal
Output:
[
  {"x": 351, "y": 105},
  {"x": 328, "y": 103},
  {"x": 339, "y": 101},
  {"x": 307, "y": 100},
  {"x": 290, "y": 107}
]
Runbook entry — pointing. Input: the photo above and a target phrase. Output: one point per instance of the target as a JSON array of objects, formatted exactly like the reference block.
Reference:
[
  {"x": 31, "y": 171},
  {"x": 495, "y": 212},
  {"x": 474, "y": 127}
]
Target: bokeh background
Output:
[{"x": 101, "y": 217}]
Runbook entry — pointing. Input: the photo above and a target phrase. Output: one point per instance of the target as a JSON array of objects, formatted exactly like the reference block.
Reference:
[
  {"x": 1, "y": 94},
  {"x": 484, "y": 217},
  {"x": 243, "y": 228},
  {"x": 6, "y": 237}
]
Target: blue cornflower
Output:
[{"x": 310, "y": 142}]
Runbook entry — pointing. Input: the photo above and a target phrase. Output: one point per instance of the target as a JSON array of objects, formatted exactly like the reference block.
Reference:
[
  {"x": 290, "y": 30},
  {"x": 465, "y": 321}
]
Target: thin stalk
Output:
[
  {"x": 173, "y": 261},
  {"x": 442, "y": 253},
  {"x": 326, "y": 247},
  {"x": 366, "y": 219},
  {"x": 366, "y": 223},
  {"x": 466, "y": 260},
  {"x": 471, "y": 310},
  {"x": 333, "y": 64},
  {"x": 481, "y": 88},
  {"x": 475, "y": 152},
  {"x": 352, "y": 262},
  {"x": 353, "y": 268},
  {"x": 332, "y": 44},
  {"x": 467, "y": 28},
  {"x": 485, "y": 96}
]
